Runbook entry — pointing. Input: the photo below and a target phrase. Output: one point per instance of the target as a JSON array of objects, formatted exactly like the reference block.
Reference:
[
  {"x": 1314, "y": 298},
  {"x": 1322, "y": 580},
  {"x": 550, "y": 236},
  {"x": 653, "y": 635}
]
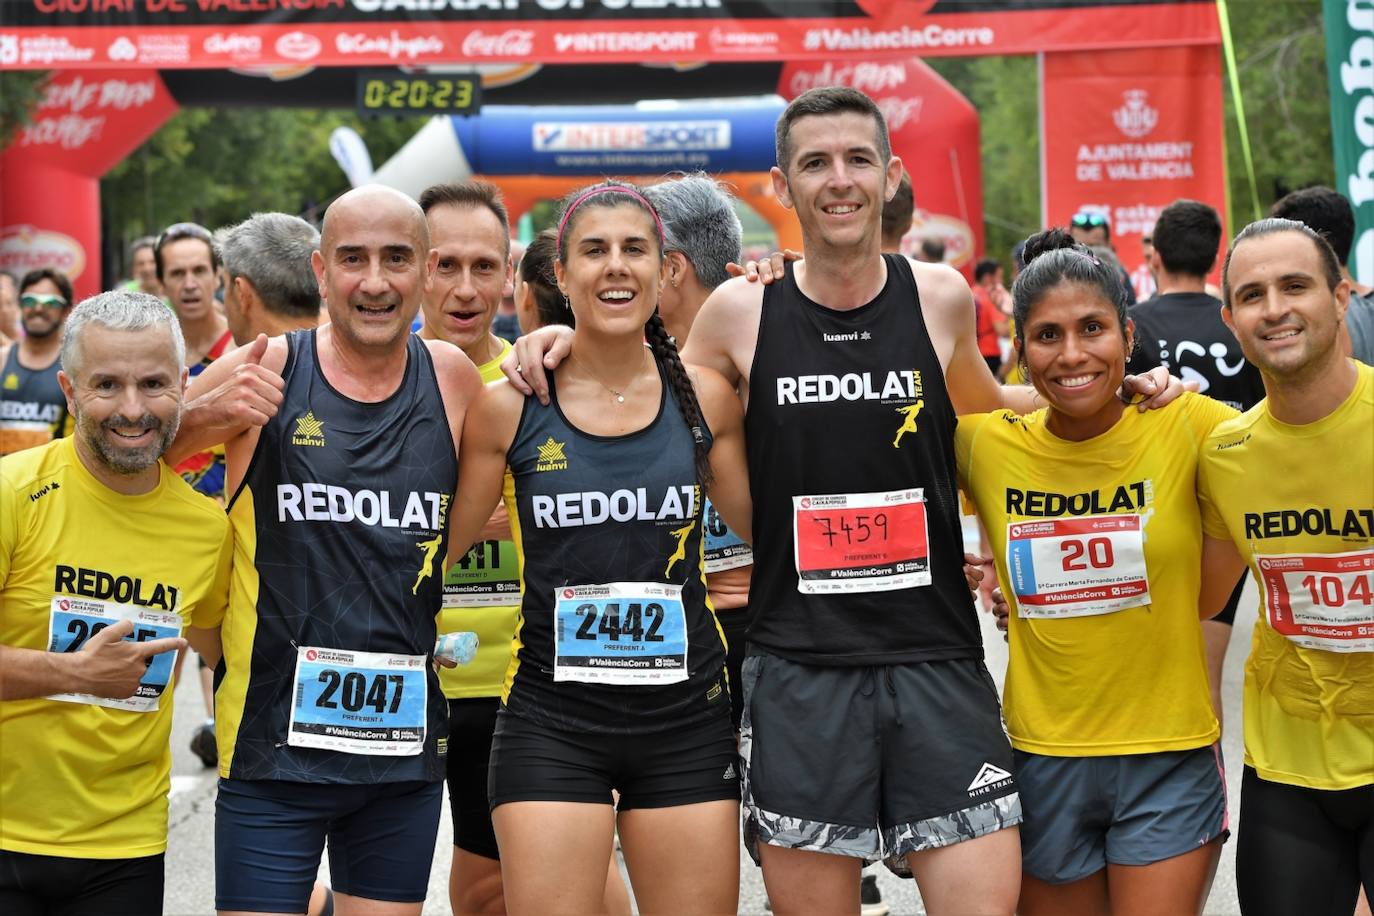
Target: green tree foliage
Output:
[
  {"x": 1004, "y": 90},
  {"x": 217, "y": 166},
  {"x": 1281, "y": 59},
  {"x": 19, "y": 92}
]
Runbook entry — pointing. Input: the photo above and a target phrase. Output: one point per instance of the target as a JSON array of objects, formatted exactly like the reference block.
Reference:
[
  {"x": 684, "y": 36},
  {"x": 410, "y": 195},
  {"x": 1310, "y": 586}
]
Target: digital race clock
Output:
[{"x": 390, "y": 92}]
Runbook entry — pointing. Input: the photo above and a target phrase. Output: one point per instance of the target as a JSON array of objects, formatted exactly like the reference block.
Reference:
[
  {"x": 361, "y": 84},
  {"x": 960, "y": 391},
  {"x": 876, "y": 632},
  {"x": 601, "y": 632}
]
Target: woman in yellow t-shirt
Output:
[{"x": 1092, "y": 512}]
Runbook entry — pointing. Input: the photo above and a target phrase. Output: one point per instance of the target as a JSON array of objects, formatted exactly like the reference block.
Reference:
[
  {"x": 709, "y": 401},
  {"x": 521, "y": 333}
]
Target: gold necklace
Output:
[{"x": 618, "y": 394}]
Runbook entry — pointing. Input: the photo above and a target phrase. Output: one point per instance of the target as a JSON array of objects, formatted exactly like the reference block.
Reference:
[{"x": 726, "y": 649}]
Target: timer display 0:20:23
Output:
[{"x": 415, "y": 95}]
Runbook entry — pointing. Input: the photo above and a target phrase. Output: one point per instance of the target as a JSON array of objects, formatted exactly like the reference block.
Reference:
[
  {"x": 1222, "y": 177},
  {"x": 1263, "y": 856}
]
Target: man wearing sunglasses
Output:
[
  {"x": 33, "y": 410},
  {"x": 1092, "y": 228}
]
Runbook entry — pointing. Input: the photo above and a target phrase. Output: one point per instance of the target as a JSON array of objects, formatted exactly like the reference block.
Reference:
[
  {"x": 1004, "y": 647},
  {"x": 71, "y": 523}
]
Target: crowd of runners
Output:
[{"x": 707, "y": 533}]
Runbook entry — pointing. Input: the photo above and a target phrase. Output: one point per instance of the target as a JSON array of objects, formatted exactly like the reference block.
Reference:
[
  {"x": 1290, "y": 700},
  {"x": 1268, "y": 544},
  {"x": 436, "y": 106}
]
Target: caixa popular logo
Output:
[
  {"x": 24, "y": 248},
  {"x": 1135, "y": 118}
]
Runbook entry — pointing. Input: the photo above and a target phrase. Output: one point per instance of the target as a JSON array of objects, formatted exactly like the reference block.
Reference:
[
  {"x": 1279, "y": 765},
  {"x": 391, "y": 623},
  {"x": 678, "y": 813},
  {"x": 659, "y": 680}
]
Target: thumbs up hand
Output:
[{"x": 253, "y": 393}]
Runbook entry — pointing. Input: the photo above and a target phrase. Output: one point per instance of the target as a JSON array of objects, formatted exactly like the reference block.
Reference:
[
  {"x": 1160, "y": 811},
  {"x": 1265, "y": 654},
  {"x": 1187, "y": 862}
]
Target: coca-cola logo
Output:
[
  {"x": 298, "y": 46},
  {"x": 510, "y": 43},
  {"x": 234, "y": 44}
]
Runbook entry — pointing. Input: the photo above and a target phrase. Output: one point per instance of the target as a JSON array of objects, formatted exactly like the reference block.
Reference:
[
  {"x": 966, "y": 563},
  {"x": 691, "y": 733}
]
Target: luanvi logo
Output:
[
  {"x": 309, "y": 431},
  {"x": 551, "y": 457}
]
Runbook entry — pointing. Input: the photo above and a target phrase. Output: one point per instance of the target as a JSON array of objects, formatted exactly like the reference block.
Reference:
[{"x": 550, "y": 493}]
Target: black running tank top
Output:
[
  {"x": 341, "y": 528},
  {"x": 615, "y": 634},
  {"x": 858, "y": 553}
]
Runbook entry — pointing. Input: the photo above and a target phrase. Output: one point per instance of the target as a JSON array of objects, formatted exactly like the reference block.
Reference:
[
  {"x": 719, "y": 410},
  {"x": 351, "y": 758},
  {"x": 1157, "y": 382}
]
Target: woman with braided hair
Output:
[{"x": 617, "y": 674}]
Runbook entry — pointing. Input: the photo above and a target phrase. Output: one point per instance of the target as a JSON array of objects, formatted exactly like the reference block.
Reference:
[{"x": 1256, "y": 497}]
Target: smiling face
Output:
[
  {"x": 43, "y": 308},
  {"x": 371, "y": 266},
  {"x": 1283, "y": 312},
  {"x": 470, "y": 276},
  {"x": 836, "y": 179},
  {"x": 613, "y": 272},
  {"x": 125, "y": 393},
  {"x": 1075, "y": 355}
]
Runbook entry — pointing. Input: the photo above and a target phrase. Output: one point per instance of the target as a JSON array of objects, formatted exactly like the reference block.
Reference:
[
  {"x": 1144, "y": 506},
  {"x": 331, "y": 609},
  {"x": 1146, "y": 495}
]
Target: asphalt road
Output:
[{"x": 190, "y": 844}]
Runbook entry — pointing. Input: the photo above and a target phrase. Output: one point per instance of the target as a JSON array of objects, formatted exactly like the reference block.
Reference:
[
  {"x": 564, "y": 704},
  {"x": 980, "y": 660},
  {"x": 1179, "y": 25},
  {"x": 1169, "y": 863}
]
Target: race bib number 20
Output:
[
  {"x": 861, "y": 542},
  {"x": 73, "y": 621},
  {"x": 1321, "y": 602},
  {"x": 1077, "y": 567}
]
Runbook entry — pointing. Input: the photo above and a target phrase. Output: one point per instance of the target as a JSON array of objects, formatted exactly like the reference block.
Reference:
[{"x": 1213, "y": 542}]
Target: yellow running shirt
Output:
[
  {"x": 77, "y": 779},
  {"x": 1097, "y": 546},
  {"x": 482, "y": 594},
  {"x": 1298, "y": 501}
]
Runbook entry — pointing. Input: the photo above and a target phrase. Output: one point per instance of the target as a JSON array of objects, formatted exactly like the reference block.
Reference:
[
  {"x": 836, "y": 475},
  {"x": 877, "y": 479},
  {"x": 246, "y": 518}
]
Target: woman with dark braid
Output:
[{"x": 617, "y": 674}]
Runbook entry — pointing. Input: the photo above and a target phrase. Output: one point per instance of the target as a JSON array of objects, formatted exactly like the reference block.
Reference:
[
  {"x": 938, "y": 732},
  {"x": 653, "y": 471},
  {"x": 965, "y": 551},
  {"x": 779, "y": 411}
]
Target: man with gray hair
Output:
[
  {"x": 702, "y": 234},
  {"x": 106, "y": 558},
  {"x": 269, "y": 287}
]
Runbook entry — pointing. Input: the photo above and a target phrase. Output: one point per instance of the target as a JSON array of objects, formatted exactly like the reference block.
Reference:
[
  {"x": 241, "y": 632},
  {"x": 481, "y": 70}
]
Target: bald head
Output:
[{"x": 372, "y": 200}]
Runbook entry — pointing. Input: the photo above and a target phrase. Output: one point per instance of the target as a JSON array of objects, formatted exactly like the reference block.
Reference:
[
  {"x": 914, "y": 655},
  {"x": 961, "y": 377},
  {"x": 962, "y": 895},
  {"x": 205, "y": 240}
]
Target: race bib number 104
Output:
[
  {"x": 1321, "y": 602},
  {"x": 861, "y": 542}
]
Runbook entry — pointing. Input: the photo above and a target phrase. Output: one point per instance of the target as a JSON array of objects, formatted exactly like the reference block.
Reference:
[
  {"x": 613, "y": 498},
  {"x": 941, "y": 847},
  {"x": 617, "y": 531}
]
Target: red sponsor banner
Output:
[
  {"x": 86, "y": 122},
  {"x": 933, "y": 129},
  {"x": 72, "y": 34},
  {"x": 1126, "y": 133}
]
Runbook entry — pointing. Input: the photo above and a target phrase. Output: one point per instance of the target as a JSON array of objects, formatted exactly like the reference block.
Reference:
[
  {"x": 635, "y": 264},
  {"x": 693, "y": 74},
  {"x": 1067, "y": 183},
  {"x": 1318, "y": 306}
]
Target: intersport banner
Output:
[
  {"x": 1350, "y": 71},
  {"x": 1125, "y": 134},
  {"x": 71, "y": 34}
]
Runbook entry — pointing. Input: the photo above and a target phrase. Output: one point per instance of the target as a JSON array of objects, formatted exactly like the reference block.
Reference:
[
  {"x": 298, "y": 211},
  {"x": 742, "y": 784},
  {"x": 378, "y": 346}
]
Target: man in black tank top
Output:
[
  {"x": 341, "y": 446},
  {"x": 871, "y": 728}
]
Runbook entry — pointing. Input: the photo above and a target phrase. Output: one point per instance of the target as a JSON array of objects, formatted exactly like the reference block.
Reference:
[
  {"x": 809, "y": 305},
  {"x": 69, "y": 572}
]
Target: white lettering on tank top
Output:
[
  {"x": 895, "y": 385},
  {"x": 592, "y": 507},
  {"x": 319, "y": 502}
]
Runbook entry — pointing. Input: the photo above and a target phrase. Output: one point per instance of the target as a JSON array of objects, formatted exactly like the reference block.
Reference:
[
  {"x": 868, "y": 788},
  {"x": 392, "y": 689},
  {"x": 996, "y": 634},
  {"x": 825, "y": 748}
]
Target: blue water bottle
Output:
[{"x": 458, "y": 648}]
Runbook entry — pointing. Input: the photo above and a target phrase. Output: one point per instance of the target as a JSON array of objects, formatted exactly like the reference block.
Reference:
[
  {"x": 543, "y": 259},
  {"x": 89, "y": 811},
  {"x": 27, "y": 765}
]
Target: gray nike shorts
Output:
[{"x": 873, "y": 762}]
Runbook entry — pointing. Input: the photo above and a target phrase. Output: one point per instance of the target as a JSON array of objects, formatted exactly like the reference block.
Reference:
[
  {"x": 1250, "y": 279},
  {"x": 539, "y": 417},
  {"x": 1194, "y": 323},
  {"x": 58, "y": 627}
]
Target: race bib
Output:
[
  {"x": 1321, "y": 602},
  {"x": 621, "y": 633},
  {"x": 724, "y": 549},
  {"x": 861, "y": 542},
  {"x": 1077, "y": 567},
  {"x": 359, "y": 702},
  {"x": 75, "y": 620},
  {"x": 488, "y": 575}
]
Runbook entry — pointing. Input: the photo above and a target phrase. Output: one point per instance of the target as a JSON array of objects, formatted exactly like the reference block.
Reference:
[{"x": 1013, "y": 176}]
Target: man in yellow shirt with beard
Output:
[
  {"x": 1291, "y": 484},
  {"x": 93, "y": 605}
]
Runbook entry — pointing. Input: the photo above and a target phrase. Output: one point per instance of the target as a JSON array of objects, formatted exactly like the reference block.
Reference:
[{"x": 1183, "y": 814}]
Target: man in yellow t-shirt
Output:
[
  {"x": 1291, "y": 484},
  {"x": 93, "y": 605},
  {"x": 470, "y": 230}
]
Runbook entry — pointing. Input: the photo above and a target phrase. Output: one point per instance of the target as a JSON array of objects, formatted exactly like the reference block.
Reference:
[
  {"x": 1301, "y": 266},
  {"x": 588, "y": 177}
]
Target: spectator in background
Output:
[
  {"x": 537, "y": 299},
  {"x": 1329, "y": 213},
  {"x": 143, "y": 268},
  {"x": 9, "y": 308},
  {"x": 506, "y": 324},
  {"x": 897, "y": 214},
  {"x": 1092, "y": 228},
  {"x": 932, "y": 251},
  {"x": 990, "y": 302},
  {"x": 1143, "y": 277},
  {"x": 33, "y": 409}
]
